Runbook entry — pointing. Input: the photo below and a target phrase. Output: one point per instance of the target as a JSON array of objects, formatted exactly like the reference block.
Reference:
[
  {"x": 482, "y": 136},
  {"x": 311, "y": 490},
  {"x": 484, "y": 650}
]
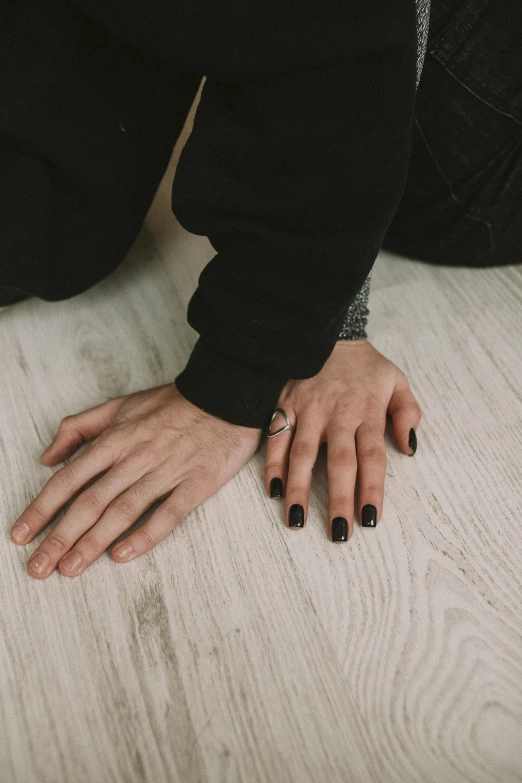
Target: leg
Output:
[
  {"x": 10, "y": 295},
  {"x": 87, "y": 127},
  {"x": 462, "y": 203}
]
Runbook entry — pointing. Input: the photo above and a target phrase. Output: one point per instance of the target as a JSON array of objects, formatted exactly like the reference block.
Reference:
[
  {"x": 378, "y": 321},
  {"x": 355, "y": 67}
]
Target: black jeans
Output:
[{"x": 462, "y": 203}]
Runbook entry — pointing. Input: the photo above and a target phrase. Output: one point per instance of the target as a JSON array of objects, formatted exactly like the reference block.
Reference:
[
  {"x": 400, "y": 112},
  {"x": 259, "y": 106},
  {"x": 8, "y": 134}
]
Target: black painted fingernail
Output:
[
  {"x": 296, "y": 516},
  {"x": 339, "y": 529},
  {"x": 412, "y": 442},
  {"x": 276, "y": 488},
  {"x": 369, "y": 516}
]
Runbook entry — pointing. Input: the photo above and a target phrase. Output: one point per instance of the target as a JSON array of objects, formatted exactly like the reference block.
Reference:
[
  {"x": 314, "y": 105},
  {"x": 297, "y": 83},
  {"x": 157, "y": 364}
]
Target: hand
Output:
[
  {"x": 344, "y": 405},
  {"x": 150, "y": 445}
]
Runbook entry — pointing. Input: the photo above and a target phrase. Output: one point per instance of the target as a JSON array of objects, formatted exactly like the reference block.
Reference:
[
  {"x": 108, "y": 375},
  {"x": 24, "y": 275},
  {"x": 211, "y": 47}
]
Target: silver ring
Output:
[{"x": 288, "y": 425}]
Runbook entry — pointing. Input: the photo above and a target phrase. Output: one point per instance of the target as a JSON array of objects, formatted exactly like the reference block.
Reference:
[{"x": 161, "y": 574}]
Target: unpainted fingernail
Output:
[
  {"x": 72, "y": 562},
  {"x": 296, "y": 516},
  {"x": 276, "y": 488},
  {"x": 20, "y": 532},
  {"x": 339, "y": 529},
  {"x": 369, "y": 516},
  {"x": 412, "y": 441},
  {"x": 39, "y": 562},
  {"x": 124, "y": 551}
]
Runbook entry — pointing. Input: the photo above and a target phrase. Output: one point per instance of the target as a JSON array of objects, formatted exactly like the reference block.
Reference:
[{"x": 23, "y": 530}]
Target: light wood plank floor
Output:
[{"x": 238, "y": 650}]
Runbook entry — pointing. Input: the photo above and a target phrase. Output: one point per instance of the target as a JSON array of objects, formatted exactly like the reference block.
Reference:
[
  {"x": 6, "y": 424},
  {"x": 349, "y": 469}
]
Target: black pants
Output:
[{"x": 462, "y": 203}]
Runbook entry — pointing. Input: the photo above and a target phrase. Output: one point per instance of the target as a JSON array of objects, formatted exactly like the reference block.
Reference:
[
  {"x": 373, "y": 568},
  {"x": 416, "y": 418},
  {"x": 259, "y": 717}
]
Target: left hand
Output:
[{"x": 150, "y": 445}]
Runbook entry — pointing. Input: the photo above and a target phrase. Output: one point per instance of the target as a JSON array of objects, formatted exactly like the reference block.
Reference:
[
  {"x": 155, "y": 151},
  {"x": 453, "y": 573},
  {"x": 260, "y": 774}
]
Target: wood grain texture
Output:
[{"x": 240, "y": 650}]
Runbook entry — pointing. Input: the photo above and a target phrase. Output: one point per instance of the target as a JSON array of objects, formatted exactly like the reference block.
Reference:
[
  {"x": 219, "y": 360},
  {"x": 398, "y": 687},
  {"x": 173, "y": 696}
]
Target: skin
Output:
[
  {"x": 155, "y": 445},
  {"x": 344, "y": 406}
]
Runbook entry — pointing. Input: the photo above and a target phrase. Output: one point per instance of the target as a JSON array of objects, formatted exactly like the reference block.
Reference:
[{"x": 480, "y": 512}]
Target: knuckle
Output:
[
  {"x": 211, "y": 464},
  {"x": 273, "y": 467},
  {"x": 56, "y": 543},
  {"x": 304, "y": 450},
  {"x": 412, "y": 406},
  {"x": 375, "y": 411},
  {"x": 106, "y": 440},
  {"x": 146, "y": 537},
  {"x": 342, "y": 455},
  {"x": 64, "y": 477},
  {"x": 341, "y": 501},
  {"x": 310, "y": 412},
  {"x": 123, "y": 506},
  {"x": 298, "y": 483},
  {"x": 373, "y": 490},
  {"x": 95, "y": 448},
  {"x": 35, "y": 510},
  {"x": 144, "y": 451},
  {"x": 91, "y": 545},
  {"x": 148, "y": 485},
  {"x": 175, "y": 513},
  {"x": 89, "y": 501},
  {"x": 296, "y": 488},
  {"x": 373, "y": 453}
]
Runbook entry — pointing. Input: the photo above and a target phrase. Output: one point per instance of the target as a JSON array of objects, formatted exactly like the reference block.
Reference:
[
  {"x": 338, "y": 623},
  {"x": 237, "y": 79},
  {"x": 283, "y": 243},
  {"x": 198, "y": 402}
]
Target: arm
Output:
[{"x": 294, "y": 178}]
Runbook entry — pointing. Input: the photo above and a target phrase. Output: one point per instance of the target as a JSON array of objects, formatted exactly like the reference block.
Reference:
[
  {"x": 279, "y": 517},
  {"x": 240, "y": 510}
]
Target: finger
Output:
[
  {"x": 79, "y": 427},
  {"x": 59, "y": 489},
  {"x": 371, "y": 471},
  {"x": 341, "y": 462},
  {"x": 277, "y": 452},
  {"x": 118, "y": 517},
  {"x": 184, "y": 498},
  {"x": 303, "y": 454},
  {"x": 406, "y": 415},
  {"x": 84, "y": 513}
]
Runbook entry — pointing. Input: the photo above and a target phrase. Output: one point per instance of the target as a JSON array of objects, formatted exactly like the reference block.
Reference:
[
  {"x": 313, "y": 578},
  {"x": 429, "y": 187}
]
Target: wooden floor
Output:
[{"x": 238, "y": 650}]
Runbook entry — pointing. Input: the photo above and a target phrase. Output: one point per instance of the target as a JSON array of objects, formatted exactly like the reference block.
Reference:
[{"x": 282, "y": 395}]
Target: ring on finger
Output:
[{"x": 287, "y": 426}]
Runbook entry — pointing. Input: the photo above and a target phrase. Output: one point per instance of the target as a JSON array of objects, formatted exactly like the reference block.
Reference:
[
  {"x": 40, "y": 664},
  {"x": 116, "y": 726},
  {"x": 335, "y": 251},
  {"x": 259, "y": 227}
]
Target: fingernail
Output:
[
  {"x": 276, "y": 488},
  {"x": 412, "y": 442},
  {"x": 72, "y": 562},
  {"x": 339, "y": 529},
  {"x": 369, "y": 516},
  {"x": 20, "y": 532},
  {"x": 39, "y": 562},
  {"x": 296, "y": 516},
  {"x": 124, "y": 551}
]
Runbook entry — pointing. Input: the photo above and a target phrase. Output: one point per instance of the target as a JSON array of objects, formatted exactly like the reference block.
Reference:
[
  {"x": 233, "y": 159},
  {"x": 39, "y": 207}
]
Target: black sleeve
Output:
[{"x": 294, "y": 177}]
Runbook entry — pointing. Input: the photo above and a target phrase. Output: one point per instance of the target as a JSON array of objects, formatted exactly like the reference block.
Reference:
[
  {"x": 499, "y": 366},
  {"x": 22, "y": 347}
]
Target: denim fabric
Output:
[{"x": 462, "y": 203}]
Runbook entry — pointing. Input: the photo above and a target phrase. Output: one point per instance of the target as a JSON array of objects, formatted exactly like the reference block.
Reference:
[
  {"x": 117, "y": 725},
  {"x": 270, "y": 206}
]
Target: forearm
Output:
[{"x": 294, "y": 179}]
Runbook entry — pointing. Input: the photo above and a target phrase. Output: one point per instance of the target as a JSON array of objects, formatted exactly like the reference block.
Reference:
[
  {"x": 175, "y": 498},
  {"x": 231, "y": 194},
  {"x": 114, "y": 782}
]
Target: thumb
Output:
[
  {"x": 406, "y": 415},
  {"x": 78, "y": 428}
]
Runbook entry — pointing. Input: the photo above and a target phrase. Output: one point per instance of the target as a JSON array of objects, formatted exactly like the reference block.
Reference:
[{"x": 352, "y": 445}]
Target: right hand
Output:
[{"x": 344, "y": 405}]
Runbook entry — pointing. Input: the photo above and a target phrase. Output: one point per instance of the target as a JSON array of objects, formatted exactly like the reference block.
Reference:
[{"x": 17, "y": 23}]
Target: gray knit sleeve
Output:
[{"x": 357, "y": 314}]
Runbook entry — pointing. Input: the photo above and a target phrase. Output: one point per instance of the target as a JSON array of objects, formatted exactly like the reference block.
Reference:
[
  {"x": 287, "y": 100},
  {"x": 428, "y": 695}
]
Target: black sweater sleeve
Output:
[{"x": 294, "y": 175}]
